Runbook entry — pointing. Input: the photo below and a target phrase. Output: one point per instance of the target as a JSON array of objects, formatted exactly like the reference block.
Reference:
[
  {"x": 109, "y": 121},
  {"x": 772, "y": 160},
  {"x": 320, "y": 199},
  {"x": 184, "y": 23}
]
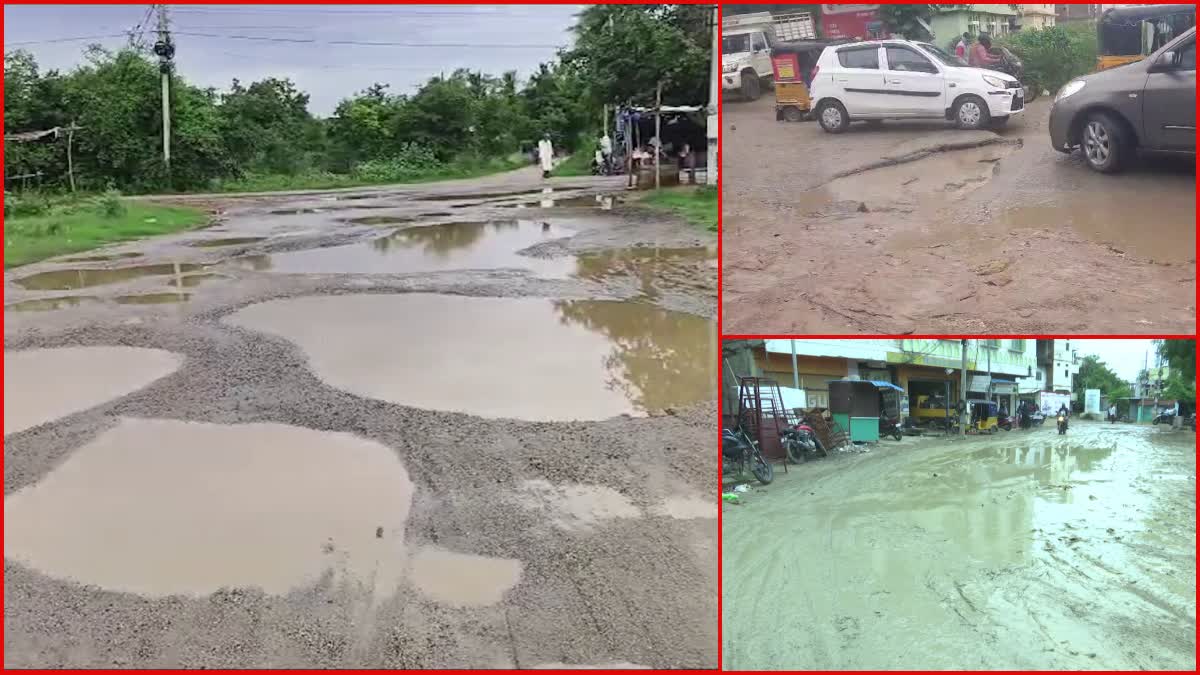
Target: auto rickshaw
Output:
[
  {"x": 984, "y": 416},
  {"x": 792, "y": 63},
  {"x": 1131, "y": 33}
]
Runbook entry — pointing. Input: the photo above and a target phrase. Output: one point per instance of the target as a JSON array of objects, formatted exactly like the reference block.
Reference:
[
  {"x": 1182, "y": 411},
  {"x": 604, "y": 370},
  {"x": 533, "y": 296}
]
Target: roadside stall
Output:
[{"x": 862, "y": 407}]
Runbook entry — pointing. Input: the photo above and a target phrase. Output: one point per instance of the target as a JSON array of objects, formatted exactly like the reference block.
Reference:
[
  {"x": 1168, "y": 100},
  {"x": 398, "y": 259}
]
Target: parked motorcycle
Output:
[
  {"x": 890, "y": 427},
  {"x": 1164, "y": 417},
  {"x": 800, "y": 442},
  {"x": 739, "y": 453},
  {"x": 1007, "y": 422},
  {"x": 1037, "y": 419},
  {"x": 1062, "y": 423}
]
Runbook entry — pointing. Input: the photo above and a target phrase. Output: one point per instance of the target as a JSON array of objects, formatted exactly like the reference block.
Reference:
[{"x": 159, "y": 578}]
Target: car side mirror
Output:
[{"x": 1168, "y": 61}]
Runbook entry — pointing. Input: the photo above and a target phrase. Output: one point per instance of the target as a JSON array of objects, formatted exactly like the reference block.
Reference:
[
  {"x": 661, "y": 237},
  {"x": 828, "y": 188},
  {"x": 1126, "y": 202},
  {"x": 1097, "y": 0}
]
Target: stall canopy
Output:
[{"x": 885, "y": 385}]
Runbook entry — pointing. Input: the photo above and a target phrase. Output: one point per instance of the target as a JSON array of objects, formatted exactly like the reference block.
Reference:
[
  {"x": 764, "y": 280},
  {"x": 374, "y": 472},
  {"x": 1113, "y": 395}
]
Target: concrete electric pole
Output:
[
  {"x": 714, "y": 91},
  {"x": 962, "y": 393},
  {"x": 165, "y": 50}
]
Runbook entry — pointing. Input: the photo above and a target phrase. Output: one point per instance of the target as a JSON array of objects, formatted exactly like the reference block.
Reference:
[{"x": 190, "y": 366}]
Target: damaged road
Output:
[
  {"x": 458, "y": 425},
  {"x": 920, "y": 227},
  {"x": 1024, "y": 550}
]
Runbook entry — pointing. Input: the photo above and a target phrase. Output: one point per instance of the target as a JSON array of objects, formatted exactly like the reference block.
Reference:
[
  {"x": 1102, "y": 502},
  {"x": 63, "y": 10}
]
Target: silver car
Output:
[{"x": 1149, "y": 105}]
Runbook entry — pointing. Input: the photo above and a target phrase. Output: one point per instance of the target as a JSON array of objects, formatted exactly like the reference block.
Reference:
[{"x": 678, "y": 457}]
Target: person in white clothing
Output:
[{"x": 546, "y": 155}]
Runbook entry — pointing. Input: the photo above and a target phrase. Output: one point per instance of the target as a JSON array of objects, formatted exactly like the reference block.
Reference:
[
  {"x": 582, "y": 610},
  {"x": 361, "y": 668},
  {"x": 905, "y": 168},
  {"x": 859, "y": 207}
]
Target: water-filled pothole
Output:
[
  {"x": 520, "y": 358},
  {"x": 48, "y": 304},
  {"x": 152, "y": 298},
  {"x": 227, "y": 241},
  {"x": 461, "y": 579},
  {"x": 477, "y": 195},
  {"x": 71, "y": 279},
  {"x": 162, "y": 507},
  {"x": 192, "y": 280},
  {"x": 82, "y": 377},
  {"x": 434, "y": 248},
  {"x": 104, "y": 258},
  {"x": 602, "y": 202}
]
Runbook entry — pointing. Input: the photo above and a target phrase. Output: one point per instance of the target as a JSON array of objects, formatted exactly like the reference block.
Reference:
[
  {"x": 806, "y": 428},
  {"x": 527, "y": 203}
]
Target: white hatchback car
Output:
[{"x": 899, "y": 79}]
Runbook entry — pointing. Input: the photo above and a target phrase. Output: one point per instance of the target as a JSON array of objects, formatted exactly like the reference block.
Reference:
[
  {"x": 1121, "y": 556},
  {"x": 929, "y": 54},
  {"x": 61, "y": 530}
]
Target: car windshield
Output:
[
  {"x": 945, "y": 57},
  {"x": 734, "y": 44}
]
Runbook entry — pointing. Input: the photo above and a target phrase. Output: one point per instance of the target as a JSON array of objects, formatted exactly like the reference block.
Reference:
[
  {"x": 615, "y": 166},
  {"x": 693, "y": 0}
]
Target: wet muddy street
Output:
[
  {"x": 916, "y": 226},
  {"x": 1020, "y": 551},
  {"x": 445, "y": 426}
]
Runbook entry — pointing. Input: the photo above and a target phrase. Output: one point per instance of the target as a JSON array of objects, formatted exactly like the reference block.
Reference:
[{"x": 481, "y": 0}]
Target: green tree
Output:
[
  {"x": 1180, "y": 355},
  {"x": 1095, "y": 374}
]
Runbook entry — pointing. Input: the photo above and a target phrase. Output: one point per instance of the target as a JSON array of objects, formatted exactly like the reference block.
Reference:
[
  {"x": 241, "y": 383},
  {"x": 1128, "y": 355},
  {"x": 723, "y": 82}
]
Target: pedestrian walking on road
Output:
[{"x": 546, "y": 155}]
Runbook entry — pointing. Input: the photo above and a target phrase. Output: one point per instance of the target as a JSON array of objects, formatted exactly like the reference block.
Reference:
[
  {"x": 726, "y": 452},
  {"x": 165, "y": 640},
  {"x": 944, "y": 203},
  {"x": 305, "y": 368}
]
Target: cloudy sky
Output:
[
  {"x": 490, "y": 38},
  {"x": 1125, "y": 357}
]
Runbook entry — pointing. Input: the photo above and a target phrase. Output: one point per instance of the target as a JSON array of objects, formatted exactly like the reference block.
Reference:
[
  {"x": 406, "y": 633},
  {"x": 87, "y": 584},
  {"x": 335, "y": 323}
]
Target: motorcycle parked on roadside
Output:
[
  {"x": 1007, "y": 422},
  {"x": 739, "y": 453},
  {"x": 890, "y": 427},
  {"x": 1164, "y": 417},
  {"x": 800, "y": 442}
]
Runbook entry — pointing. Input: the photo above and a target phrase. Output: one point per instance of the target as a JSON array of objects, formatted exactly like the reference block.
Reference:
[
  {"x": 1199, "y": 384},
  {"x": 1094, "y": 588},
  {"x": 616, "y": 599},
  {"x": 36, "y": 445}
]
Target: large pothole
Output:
[
  {"x": 42, "y": 385},
  {"x": 521, "y": 358},
  {"x": 162, "y": 507}
]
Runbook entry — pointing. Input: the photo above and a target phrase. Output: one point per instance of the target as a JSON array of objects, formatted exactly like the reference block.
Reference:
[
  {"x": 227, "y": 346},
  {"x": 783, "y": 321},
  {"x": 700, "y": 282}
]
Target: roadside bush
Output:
[
  {"x": 111, "y": 205},
  {"x": 25, "y": 204},
  {"x": 412, "y": 160},
  {"x": 1055, "y": 55}
]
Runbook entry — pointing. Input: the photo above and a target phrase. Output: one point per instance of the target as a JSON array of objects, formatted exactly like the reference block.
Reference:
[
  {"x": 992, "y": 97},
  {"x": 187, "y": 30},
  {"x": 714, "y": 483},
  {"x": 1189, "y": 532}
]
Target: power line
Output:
[
  {"x": 369, "y": 43},
  {"x": 345, "y": 12},
  {"x": 66, "y": 39}
]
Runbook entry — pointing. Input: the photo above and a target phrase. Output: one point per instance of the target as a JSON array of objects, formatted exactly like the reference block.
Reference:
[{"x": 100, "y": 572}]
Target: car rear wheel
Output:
[
  {"x": 971, "y": 113},
  {"x": 832, "y": 116},
  {"x": 1104, "y": 144}
]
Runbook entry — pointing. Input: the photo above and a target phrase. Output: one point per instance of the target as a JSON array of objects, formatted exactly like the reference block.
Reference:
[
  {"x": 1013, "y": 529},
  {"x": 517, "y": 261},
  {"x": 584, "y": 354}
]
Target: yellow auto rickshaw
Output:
[
  {"x": 793, "y": 63},
  {"x": 1131, "y": 33},
  {"x": 985, "y": 416}
]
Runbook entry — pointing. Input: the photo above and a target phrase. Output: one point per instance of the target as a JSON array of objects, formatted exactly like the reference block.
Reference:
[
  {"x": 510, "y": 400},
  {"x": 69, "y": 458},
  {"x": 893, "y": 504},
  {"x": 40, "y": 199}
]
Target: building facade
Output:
[
  {"x": 951, "y": 22},
  {"x": 1000, "y": 370},
  {"x": 1057, "y": 366},
  {"x": 1033, "y": 17}
]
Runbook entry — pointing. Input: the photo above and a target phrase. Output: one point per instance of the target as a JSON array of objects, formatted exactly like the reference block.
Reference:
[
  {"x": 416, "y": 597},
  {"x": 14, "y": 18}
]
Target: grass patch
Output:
[
  {"x": 578, "y": 164},
  {"x": 58, "y": 226},
  {"x": 695, "y": 205},
  {"x": 376, "y": 174}
]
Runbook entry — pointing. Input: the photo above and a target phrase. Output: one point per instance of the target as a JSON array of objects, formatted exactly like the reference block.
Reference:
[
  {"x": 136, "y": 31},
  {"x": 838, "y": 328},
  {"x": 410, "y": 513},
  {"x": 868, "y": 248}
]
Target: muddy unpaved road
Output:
[
  {"x": 915, "y": 226},
  {"x": 454, "y": 425},
  {"x": 1020, "y": 551}
]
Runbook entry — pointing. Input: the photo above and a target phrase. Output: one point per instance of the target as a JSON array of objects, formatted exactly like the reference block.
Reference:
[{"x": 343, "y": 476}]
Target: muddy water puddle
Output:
[
  {"x": 71, "y": 279},
  {"x": 396, "y": 220},
  {"x": 193, "y": 280},
  {"x": 575, "y": 507},
  {"x": 461, "y": 579},
  {"x": 227, "y": 241},
  {"x": 477, "y": 196},
  {"x": 152, "y": 298},
  {"x": 652, "y": 267},
  {"x": 434, "y": 248},
  {"x": 541, "y": 360},
  {"x": 103, "y": 258},
  {"x": 162, "y": 507},
  {"x": 1166, "y": 234},
  {"x": 82, "y": 377},
  {"x": 50, "y": 304}
]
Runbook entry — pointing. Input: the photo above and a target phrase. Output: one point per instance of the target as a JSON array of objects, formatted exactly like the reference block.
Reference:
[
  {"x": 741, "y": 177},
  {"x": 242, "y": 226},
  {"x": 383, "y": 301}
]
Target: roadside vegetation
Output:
[
  {"x": 1054, "y": 55},
  {"x": 261, "y": 135},
  {"x": 39, "y": 226},
  {"x": 697, "y": 205}
]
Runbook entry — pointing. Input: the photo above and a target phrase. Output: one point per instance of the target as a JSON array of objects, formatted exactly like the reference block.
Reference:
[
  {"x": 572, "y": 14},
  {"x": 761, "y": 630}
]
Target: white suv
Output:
[{"x": 899, "y": 79}]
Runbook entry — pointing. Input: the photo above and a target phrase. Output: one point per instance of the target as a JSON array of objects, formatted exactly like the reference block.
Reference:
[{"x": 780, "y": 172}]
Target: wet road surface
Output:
[
  {"x": 447, "y": 426},
  {"x": 1020, "y": 551},
  {"x": 915, "y": 226}
]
